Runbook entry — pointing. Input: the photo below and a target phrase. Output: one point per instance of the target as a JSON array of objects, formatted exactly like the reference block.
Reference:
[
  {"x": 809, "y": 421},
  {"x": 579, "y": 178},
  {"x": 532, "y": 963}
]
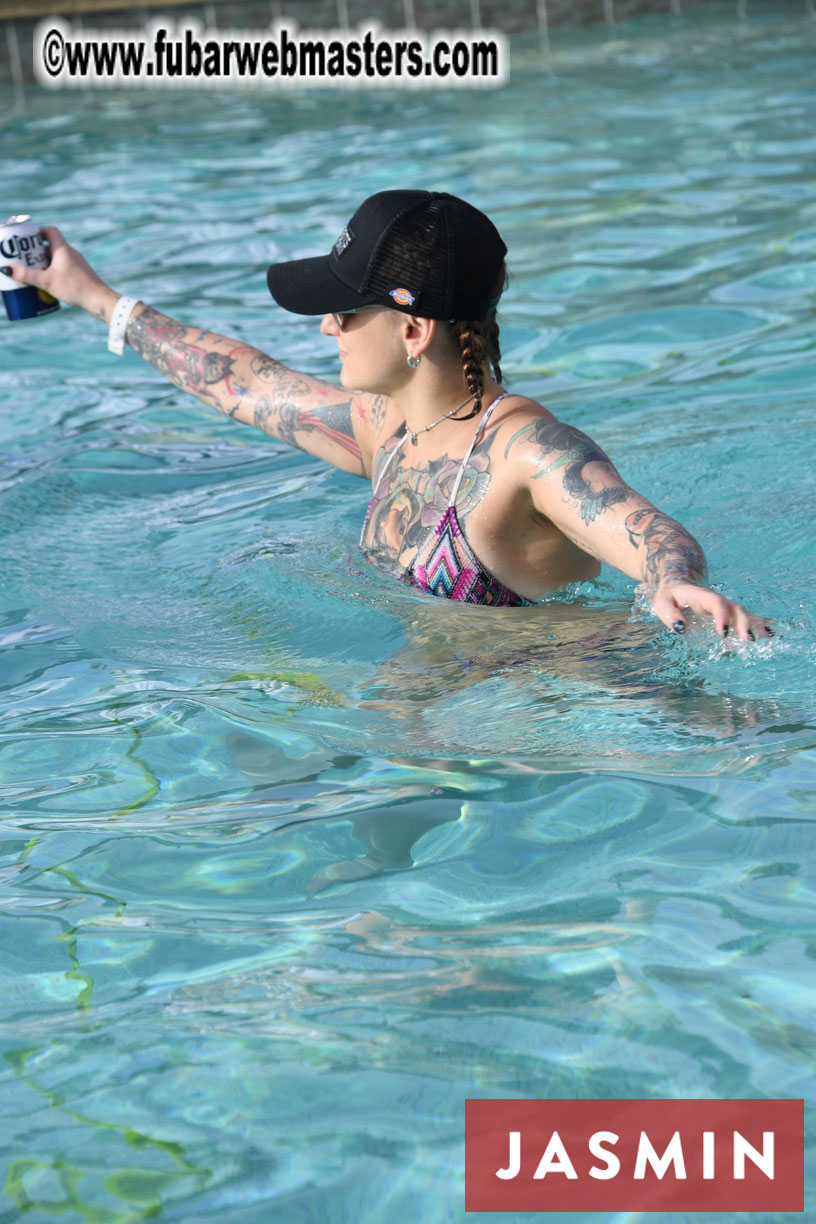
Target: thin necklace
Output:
[{"x": 447, "y": 415}]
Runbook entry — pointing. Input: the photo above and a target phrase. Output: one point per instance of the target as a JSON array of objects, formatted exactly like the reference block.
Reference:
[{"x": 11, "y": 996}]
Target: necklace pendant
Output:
[{"x": 413, "y": 439}]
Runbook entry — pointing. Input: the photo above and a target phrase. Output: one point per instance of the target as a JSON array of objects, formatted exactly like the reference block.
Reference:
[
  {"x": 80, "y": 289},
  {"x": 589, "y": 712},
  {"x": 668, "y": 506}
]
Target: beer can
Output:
[{"x": 21, "y": 242}]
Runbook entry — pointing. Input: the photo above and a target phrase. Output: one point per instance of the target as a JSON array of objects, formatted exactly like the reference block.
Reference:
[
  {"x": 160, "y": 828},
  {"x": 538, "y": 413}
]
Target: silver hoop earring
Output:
[{"x": 413, "y": 361}]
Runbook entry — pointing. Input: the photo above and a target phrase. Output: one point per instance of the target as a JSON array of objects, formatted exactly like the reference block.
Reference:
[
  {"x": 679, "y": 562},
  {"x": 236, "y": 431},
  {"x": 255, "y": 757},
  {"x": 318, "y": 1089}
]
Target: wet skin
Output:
[{"x": 541, "y": 504}]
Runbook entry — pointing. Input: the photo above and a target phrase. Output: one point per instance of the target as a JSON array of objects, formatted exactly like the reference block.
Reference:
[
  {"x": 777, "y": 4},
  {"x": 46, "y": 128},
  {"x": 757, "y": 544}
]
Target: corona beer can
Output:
[{"x": 21, "y": 242}]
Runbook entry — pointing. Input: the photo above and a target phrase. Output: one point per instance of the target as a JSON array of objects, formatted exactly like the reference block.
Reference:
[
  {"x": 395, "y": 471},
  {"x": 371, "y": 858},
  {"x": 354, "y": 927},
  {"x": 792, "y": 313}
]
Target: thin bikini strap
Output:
[
  {"x": 389, "y": 461},
  {"x": 476, "y": 437}
]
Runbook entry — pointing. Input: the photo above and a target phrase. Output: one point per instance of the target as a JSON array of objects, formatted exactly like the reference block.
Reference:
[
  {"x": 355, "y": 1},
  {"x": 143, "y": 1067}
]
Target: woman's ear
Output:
[{"x": 418, "y": 332}]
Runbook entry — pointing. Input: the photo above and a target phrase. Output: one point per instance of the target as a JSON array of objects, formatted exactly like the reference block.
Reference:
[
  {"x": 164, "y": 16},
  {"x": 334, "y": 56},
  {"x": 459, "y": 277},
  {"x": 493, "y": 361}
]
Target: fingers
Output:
[
  {"x": 667, "y": 607},
  {"x": 751, "y": 628},
  {"x": 23, "y": 274},
  {"x": 742, "y": 623},
  {"x": 26, "y": 276},
  {"x": 730, "y": 619},
  {"x": 53, "y": 236}
]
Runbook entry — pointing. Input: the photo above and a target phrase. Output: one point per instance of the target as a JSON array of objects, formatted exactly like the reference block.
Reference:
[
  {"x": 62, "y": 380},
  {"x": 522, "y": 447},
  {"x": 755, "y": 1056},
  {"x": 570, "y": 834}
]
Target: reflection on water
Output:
[{"x": 556, "y": 658}]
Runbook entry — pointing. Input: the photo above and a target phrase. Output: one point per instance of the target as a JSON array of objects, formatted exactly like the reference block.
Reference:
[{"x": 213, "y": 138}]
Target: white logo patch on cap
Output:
[{"x": 343, "y": 242}]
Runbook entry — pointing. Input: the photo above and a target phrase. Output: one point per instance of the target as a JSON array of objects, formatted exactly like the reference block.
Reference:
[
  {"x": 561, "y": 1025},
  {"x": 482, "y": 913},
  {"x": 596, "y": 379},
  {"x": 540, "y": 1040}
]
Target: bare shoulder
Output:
[
  {"x": 517, "y": 410},
  {"x": 555, "y": 464},
  {"x": 533, "y": 438},
  {"x": 515, "y": 426}
]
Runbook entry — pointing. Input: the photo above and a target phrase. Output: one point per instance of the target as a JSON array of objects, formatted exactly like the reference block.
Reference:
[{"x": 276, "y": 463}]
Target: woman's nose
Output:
[{"x": 328, "y": 326}]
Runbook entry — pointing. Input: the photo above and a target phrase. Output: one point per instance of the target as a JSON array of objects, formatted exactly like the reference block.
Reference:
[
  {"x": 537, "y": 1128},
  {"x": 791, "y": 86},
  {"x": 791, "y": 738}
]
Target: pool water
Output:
[{"x": 296, "y": 859}]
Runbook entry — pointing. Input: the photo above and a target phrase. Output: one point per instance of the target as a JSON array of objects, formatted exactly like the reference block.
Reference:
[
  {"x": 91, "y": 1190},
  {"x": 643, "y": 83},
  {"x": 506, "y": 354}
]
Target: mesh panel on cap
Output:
[
  {"x": 414, "y": 256},
  {"x": 477, "y": 267}
]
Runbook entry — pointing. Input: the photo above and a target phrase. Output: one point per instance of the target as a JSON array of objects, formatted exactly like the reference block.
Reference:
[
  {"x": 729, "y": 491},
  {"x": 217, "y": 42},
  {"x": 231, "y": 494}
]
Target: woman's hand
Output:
[
  {"x": 672, "y": 599},
  {"x": 69, "y": 277}
]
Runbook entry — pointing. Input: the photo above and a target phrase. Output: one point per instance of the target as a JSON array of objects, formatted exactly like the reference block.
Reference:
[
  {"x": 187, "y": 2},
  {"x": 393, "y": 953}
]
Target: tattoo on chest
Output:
[{"x": 410, "y": 501}]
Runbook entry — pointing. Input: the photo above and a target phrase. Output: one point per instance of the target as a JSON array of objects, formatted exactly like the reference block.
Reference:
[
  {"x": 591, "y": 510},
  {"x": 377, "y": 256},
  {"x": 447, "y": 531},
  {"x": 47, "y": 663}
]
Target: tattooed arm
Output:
[
  {"x": 576, "y": 487},
  {"x": 235, "y": 378},
  {"x": 244, "y": 383}
]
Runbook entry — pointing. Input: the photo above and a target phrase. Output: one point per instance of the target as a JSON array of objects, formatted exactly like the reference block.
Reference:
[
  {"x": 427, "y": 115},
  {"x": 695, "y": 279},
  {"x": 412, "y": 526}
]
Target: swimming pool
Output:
[{"x": 296, "y": 860}]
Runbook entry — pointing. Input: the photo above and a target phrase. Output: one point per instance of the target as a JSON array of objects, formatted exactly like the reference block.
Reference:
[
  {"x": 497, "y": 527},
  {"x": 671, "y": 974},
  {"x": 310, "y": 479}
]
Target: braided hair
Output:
[
  {"x": 413, "y": 254},
  {"x": 478, "y": 341}
]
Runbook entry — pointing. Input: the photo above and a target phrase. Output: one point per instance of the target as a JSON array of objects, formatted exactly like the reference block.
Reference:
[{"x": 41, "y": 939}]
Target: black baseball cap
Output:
[{"x": 426, "y": 253}]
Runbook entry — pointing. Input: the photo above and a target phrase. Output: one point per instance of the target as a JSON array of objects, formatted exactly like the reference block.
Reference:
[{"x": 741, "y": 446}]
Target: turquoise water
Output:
[{"x": 284, "y": 882}]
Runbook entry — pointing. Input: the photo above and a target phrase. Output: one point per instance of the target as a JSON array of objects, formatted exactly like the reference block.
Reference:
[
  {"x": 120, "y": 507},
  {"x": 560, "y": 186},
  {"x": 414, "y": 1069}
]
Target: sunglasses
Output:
[{"x": 339, "y": 316}]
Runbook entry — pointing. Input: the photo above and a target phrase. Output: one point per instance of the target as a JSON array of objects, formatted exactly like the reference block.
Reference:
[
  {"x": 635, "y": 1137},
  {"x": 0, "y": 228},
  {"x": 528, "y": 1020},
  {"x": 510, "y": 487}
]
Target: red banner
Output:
[{"x": 641, "y": 1155}]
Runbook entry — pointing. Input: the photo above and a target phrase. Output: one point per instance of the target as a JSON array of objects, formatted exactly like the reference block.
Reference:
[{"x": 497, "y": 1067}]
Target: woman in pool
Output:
[{"x": 479, "y": 495}]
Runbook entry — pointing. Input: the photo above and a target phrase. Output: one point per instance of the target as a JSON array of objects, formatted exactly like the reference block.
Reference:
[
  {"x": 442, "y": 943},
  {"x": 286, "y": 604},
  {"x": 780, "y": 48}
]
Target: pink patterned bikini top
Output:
[{"x": 445, "y": 564}]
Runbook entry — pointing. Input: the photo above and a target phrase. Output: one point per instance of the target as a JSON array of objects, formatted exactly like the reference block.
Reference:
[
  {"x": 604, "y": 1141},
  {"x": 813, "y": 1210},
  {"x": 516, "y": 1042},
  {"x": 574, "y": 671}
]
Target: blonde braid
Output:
[
  {"x": 471, "y": 349},
  {"x": 493, "y": 350},
  {"x": 479, "y": 339}
]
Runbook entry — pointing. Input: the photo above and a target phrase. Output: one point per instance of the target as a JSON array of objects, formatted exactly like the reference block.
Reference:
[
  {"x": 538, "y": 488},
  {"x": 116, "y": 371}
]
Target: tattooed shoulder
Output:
[
  {"x": 376, "y": 413},
  {"x": 586, "y": 473}
]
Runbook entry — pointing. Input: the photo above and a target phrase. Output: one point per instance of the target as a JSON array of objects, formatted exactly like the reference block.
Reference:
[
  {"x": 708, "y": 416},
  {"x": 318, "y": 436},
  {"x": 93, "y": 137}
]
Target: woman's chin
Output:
[
  {"x": 348, "y": 381},
  {"x": 356, "y": 382}
]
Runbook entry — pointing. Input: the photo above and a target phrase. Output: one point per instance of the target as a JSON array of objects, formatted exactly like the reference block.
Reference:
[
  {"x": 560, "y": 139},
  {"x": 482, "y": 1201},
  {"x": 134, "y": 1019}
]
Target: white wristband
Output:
[{"x": 118, "y": 325}]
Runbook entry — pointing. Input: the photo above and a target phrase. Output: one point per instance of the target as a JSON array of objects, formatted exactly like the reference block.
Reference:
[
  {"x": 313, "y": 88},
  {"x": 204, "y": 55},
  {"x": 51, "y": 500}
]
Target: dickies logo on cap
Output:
[
  {"x": 403, "y": 297},
  {"x": 345, "y": 240}
]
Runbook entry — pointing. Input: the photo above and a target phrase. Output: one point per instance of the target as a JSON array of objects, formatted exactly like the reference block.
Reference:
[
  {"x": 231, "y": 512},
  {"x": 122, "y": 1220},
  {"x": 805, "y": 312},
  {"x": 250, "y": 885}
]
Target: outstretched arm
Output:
[
  {"x": 242, "y": 382},
  {"x": 575, "y": 485},
  {"x": 235, "y": 378}
]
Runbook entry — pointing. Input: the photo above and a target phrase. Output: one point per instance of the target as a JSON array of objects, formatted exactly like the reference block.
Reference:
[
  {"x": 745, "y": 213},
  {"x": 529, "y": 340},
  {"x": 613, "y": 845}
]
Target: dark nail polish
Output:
[
  {"x": 6, "y": 271},
  {"x": 769, "y": 631},
  {"x": 751, "y": 635},
  {"x": 678, "y": 626},
  {"x": 725, "y": 631}
]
